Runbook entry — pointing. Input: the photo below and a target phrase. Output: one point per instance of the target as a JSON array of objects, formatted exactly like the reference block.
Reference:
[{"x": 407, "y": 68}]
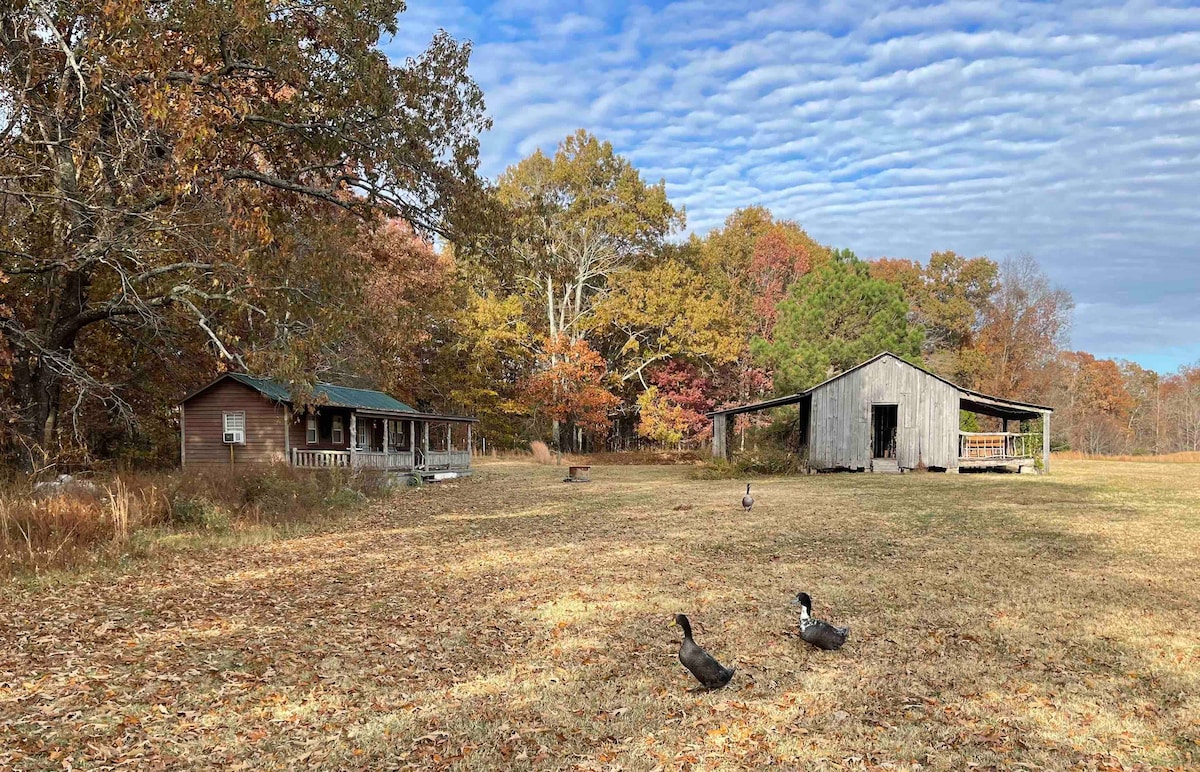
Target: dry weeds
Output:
[
  {"x": 1182, "y": 457},
  {"x": 513, "y": 621}
]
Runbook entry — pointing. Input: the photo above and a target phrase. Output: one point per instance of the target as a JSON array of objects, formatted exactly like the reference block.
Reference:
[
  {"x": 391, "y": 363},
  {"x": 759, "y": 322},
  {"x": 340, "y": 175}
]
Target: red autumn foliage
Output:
[{"x": 683, "y": 386}]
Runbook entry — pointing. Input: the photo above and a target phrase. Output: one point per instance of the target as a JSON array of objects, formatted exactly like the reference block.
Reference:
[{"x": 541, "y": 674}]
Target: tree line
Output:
[{"x": 190, "y": 187}]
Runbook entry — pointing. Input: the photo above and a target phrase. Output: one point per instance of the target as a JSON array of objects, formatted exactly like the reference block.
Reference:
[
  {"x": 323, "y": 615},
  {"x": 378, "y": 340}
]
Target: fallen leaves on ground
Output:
[{"x": 514, "y": 621}]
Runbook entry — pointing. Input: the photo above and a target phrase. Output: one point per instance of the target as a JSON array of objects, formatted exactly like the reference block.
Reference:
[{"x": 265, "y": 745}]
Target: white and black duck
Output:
[
  {"x": 710, "y": 673},
  {"x": 816, "y": 631}
]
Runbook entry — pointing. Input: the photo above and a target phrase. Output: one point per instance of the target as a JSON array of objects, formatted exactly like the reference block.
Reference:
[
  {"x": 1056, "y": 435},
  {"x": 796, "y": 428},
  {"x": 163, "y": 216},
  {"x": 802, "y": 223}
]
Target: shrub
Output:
[
  {"x": 199, "y": 513},
  {"x": 769, "y": 460},
  {"x": 344, "y": 498},
  {"x": 759, "y": 461}
]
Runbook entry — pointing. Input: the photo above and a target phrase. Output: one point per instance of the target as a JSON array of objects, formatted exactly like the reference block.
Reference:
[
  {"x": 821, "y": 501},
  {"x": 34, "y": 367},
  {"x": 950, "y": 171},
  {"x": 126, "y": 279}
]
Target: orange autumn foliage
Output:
[{"x": 568, "y": 387}]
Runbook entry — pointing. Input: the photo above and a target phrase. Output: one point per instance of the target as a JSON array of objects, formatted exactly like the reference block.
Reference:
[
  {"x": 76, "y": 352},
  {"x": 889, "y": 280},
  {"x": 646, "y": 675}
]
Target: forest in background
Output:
[{"x": 189, "y": 188}]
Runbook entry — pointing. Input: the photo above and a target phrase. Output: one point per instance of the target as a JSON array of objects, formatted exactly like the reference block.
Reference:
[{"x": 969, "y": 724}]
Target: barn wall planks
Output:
[
  {"x": 202, "y": 426},
  {"x": 927, "y": 431}
]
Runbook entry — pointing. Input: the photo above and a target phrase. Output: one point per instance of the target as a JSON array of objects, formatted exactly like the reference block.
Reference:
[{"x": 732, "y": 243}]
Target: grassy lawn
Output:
[{"x": 514, "y": 621}]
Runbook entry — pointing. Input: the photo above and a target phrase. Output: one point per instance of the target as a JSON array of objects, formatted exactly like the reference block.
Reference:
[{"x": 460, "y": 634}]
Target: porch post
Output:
[
  {"x": 449, "y": 436},
  {"x": 353, "y": 437},
  {"x": 425, "y": 441},
  {"x": 385, "y": 440},
  {"x": 470, "y": 445},
  {"x": 412, "y": 440},
  {"x": 1046, "y": 442},
  {"x": 287, "y": 434}
]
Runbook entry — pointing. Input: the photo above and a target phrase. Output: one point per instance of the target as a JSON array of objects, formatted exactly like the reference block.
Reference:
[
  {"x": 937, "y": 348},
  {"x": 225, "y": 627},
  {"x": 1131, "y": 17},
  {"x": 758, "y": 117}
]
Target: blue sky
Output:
[{"x": 1070, "y": 131}]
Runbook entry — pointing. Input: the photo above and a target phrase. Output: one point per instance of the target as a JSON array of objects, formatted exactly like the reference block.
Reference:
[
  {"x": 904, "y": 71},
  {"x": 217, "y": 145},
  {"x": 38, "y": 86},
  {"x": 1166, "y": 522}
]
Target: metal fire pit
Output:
[{"x": 578, "y": 474}]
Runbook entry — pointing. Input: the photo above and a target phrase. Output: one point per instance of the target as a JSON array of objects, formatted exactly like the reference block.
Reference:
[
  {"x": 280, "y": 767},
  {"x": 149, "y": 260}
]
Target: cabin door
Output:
[{"x": 884, "y": 419}]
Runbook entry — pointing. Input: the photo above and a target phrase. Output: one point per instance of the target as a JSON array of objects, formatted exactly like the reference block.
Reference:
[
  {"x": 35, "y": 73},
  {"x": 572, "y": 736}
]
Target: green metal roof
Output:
[{"x": 326, "y": 393}]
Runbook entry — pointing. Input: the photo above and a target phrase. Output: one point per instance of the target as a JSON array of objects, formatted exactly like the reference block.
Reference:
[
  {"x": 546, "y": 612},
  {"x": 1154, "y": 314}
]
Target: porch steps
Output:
[{"x": 885, "y": 466}]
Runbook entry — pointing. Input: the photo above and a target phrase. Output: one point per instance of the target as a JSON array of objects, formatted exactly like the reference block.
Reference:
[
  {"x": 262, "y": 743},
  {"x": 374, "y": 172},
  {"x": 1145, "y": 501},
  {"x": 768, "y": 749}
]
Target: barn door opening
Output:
[{"x": 884, "y": 419}]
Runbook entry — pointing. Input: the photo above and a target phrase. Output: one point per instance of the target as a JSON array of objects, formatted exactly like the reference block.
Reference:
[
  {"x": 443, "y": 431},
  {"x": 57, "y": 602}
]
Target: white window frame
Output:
[
  {"x": 312, "y": 434},
  {"x": 338, "y": 432},
  {"x": 240, "y": 415}
]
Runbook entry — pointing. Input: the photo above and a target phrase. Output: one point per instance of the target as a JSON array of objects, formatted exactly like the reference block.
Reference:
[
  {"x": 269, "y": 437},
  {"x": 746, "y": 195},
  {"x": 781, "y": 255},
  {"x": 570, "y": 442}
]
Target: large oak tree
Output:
[{"x": 165, "y": 166}]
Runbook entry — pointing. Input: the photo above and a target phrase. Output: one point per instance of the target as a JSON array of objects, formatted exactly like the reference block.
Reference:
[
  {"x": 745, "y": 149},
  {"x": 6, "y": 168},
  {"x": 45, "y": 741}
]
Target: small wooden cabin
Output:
[
  {"x": 243, "y": 419},
  {"x": 889, "y": 415}
]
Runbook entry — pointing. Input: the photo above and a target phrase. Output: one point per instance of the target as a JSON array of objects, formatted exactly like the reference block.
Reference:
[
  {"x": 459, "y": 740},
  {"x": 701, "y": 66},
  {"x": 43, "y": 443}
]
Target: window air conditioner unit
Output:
[{"x": 235, "y": 437}]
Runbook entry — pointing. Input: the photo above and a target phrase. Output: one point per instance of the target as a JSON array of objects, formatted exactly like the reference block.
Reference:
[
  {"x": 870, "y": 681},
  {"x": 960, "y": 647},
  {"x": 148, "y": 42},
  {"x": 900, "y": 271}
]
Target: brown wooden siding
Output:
[
  {"x": 299, "y": 425},
  {"x": 840, "y": 422},
  {"x": 202, "y": 426}
]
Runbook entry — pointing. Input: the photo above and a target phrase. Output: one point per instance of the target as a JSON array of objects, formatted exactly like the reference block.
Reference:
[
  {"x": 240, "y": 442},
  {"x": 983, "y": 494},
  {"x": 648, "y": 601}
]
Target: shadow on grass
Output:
[{"x": 523, "y": 623}]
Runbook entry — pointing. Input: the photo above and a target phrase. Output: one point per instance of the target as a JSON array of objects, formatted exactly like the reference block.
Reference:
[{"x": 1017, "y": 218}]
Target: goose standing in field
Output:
[
  {"x": 710, "y": 673},
  {"x": 747, "y": 500},
  {"x": 818, "y": 632}
]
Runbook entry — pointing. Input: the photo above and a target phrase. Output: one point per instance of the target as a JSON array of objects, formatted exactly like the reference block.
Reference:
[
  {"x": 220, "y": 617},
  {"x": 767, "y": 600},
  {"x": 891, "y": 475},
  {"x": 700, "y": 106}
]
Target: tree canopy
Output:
[
  {"x": 180, "y": 169},
  {"x": 833, "y": 319}
]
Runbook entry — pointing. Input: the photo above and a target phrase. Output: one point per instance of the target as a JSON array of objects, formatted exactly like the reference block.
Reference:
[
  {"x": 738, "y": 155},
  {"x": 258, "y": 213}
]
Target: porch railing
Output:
[
  {"x": 319, "y": 459},
  {"x": 998, "y": 445},
  {"x": 447, "y": 459},
  {"x": 374, "y": 459}
]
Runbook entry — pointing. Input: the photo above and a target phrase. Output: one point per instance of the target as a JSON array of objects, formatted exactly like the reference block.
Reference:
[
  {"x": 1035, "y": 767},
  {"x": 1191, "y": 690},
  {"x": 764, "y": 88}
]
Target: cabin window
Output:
[
  {"x": 234, "y": 423},
  {"x": 311, "y": 436},
  {"x": 338, "y": 433}
]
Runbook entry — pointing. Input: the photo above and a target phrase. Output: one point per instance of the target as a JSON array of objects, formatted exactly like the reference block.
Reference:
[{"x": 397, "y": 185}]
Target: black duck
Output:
[
  {"x": 710, "y": 673},
  {"x": 817, "y": 632}
]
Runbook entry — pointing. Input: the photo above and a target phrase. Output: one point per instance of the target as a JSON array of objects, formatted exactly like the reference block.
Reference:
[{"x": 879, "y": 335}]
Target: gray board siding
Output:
[{"x": 927, "y": 431}]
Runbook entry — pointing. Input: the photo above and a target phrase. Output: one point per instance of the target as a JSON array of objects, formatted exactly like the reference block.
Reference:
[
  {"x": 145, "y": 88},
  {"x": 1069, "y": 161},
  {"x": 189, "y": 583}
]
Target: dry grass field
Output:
[{"x": 513, "y": 621}]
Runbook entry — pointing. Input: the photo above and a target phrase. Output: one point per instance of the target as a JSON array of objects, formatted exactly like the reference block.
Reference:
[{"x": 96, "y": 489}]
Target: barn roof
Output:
[
  {"x": 325, "y": 394},
  {"x": 973, "y": 400}
]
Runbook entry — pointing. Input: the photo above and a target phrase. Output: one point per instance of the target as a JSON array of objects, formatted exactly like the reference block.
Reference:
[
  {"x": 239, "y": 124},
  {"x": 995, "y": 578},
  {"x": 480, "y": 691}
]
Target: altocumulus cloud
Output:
[{"x": 1067, "y": 130}]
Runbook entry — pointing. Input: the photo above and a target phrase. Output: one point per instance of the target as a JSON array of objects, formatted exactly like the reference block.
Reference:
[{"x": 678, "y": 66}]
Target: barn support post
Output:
[
  {"x": 353, "y": 437},
  {"x": 1046, "y": 442},
  {"x": 719, "y": 436}
]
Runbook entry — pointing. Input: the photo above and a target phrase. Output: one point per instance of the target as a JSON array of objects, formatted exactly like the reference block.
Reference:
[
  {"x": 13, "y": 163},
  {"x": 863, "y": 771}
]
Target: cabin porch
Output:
[{"x": 433, "y": 447}]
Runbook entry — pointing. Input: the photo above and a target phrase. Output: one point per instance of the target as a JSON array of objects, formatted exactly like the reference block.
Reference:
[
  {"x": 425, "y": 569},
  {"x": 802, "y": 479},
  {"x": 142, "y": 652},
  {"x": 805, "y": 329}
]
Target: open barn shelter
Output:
[
  {"x": 889, "y": 415},
  {"x": 244, "y": 419}
]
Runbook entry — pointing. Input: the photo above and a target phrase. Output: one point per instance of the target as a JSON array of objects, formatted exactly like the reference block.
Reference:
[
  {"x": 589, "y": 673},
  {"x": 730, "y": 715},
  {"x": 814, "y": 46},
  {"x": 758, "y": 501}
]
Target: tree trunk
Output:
[
  {"x": 38, "y": 392},
  {"x": 37, "y": 383}
]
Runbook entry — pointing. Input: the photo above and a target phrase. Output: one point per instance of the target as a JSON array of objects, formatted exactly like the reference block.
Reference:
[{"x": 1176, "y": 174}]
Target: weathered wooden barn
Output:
[
  {"x": 243, "y": 419},
  {"x": 889, "y": 415}
]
